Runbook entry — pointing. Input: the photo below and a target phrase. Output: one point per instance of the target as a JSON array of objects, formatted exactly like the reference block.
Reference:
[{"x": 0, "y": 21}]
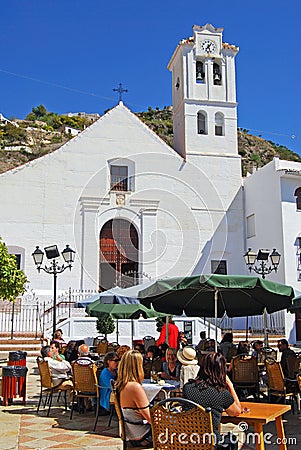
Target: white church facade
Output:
[{"x": 128, "y": 204}]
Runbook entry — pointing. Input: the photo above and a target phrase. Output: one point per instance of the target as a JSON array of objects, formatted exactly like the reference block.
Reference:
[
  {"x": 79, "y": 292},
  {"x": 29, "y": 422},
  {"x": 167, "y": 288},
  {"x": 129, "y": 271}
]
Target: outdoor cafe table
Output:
[
  {"x": 259, "y": 414},
  {"x": 152, "y": 389}
]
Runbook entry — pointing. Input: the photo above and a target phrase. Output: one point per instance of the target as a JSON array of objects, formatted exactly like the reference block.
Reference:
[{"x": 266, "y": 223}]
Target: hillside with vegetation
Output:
[{"x": 43, "y": 132}]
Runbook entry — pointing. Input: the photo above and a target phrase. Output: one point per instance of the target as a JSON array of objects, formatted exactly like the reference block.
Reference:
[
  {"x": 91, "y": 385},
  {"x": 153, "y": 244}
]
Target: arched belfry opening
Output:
[{"x": 118, "y": 262}]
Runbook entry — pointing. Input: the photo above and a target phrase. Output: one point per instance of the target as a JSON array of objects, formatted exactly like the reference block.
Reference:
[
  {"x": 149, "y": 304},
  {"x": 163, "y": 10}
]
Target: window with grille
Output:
[
  {"x": 219, "y": 124},
  {"x": 202, "y": 125},
  {"x": 119, "y": 178},
  {"x": 219, "y": 267},
  {"x": 251, "y": 226}
]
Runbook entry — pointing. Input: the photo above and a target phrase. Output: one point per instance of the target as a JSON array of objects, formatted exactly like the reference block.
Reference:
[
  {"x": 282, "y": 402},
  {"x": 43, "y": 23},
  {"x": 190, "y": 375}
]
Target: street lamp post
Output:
[
  {"x": 259, "y": 263},
  {"x": 54, "y": 268}
]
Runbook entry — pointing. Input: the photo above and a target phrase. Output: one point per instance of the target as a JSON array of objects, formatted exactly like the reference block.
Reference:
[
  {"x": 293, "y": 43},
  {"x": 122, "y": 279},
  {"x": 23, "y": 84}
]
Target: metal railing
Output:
[{"x": 30, "y": 315}]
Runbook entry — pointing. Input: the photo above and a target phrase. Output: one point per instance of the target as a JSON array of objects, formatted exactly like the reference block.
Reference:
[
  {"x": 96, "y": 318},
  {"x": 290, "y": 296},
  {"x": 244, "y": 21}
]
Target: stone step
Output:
[
  {"x": 20, "y": 341},
  {"x": 240, "y": 335},
  {"x": 26, "y": 342},
  {"x": 20, "y": 335}
]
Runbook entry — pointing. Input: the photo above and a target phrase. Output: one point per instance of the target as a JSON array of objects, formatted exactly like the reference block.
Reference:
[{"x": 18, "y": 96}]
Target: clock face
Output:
[{"x": 208, "y": 46}]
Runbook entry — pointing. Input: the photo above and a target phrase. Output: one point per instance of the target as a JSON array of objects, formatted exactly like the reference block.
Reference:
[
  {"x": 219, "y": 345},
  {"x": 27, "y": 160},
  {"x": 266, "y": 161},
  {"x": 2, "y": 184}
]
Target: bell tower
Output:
[{"x": 204, "y": 94}]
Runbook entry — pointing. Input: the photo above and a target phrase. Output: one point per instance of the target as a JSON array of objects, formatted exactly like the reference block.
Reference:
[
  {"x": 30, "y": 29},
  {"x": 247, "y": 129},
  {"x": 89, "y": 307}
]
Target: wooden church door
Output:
[{"x": 118, "y": 254}]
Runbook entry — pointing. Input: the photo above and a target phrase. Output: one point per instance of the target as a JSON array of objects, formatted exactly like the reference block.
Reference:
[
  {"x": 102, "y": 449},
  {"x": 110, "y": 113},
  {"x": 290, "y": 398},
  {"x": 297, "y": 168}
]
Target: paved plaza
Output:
[{"x": 23, "y": 429}]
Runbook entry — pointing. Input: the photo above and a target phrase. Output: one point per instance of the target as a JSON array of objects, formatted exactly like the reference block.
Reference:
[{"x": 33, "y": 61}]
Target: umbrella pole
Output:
[
  {"x": 117, "y": 331},
  {"x": 247, "y": 328},
  {"x": 166, "y": 334},
  {"x": 265, "y": 320},
  {"x": 215, "y": 317},
  {"x": 132, "y": 332}
]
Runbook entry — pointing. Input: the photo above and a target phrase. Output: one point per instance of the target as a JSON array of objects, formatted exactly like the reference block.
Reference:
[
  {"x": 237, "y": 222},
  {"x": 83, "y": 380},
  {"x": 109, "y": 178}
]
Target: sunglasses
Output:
[{"x": 115, "y": 360}]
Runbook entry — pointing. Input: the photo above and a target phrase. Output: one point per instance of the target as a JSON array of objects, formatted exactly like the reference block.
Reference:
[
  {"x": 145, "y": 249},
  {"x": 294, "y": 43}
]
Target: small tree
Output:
[
  {"x": 105, "y": 325},
  {"x": 160, "y": 321},
  {"x": 12, "y": 279}
]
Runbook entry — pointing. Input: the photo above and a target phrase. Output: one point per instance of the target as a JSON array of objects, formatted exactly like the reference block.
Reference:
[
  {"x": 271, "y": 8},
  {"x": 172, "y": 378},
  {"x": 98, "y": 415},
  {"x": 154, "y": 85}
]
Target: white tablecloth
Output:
[{"x": 152, "y": 389}]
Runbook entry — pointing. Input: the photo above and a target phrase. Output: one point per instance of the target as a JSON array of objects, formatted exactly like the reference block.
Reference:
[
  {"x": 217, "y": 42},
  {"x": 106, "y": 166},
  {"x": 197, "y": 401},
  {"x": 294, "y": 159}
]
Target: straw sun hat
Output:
[{"x": 187, "y": 356}]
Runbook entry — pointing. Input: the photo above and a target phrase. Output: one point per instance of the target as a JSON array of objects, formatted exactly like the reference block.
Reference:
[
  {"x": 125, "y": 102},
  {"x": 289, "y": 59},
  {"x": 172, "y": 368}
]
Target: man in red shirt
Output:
[{"x": 173, "y": 335}]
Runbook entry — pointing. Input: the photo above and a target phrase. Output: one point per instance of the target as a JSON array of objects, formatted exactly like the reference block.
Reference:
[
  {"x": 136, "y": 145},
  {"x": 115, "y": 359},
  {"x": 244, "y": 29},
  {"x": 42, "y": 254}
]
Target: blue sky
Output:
[{"x": 69, "y": 55}]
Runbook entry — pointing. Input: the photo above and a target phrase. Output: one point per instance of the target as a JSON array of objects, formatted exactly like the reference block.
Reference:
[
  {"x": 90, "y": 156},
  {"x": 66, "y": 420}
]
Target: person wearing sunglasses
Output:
[{"x": 109, "y": 373}]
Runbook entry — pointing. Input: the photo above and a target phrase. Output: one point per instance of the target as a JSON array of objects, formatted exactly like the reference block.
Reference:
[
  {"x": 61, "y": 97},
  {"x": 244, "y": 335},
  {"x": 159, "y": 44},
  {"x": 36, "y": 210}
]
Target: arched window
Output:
[
  {"x": 219, "y": 124},
  {"x": 202, "y": 123},
  {"x": 217, "y": 74},
  {"x": 199, "y": 72},
  {"x": 118, "y": 254},
  {"x": 298, "y": 198}
]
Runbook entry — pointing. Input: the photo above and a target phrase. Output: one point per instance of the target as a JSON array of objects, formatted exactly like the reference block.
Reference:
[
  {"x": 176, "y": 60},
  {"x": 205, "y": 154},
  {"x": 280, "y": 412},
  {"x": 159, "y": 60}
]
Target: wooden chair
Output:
[
  {"x": 47, "y": 386},
  {"x": 113, "y": 347},
  {"x": 245, "y": 374},
  {"x": 85, "y": 386},
  {"x": 102, "y": 346},
  {"x": 176, "y": 417},
  {"x": 276, "y": 384}
]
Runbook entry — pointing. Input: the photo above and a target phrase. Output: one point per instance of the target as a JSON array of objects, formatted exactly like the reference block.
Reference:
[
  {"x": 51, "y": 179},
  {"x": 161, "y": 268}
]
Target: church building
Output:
[{"x": 133, "y": 207}]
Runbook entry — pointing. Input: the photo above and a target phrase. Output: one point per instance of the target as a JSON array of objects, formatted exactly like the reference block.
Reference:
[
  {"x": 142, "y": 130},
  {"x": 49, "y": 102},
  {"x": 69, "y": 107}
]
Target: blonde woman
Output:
[
  {"x": 133, "y": 399},
  {"x": 171, "y": 367}
]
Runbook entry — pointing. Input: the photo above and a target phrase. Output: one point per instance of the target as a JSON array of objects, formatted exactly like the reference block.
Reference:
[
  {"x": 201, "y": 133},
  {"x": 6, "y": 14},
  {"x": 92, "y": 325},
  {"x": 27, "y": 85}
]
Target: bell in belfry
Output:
[{"x": 199, "y": 76}]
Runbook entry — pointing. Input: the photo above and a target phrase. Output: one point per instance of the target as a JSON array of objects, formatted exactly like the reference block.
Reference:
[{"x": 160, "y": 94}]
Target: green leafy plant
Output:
[
  {"x": 105, "y": 325},
  {"x": 12, "y": 279},
  {"x": 159, "y": 323}
]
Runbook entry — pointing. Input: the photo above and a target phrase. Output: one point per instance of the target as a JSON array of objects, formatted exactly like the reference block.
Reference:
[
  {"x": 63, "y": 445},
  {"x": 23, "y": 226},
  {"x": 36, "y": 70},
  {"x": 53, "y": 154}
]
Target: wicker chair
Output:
[
  {"x": 276, "y": 384},
  {"x": 176, "y": 417},
  {"x": 102, "y": 346},
  {"x": 47, "y": 387},
  {"x": 85, "y": 385},
  {"x": 245, "y": 375},
  {"x": 113, "y": 347}
]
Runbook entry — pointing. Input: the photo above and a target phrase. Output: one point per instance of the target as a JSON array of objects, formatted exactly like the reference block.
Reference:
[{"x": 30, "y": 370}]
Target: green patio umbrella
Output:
[
  {"x": 121, "y": 311},
  {"x": 213, "y": 295},
  {"x": 296, "y": 305}
]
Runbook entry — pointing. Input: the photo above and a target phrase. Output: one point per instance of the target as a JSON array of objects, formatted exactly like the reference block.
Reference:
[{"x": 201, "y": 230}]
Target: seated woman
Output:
[
  {"x": 133, "y": 400},
  {"x": 190, "y": 367},
  {"x": 171, "y": 367},
  {"x": 213, "y": 389},
  {"x": 58, "y": 337},
  {"x": 109, "y": 373}
]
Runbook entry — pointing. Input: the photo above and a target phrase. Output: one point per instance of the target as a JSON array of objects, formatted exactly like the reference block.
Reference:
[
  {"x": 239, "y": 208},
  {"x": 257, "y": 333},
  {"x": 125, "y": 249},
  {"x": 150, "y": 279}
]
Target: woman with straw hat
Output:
[{"x": 190, "y": 367}]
